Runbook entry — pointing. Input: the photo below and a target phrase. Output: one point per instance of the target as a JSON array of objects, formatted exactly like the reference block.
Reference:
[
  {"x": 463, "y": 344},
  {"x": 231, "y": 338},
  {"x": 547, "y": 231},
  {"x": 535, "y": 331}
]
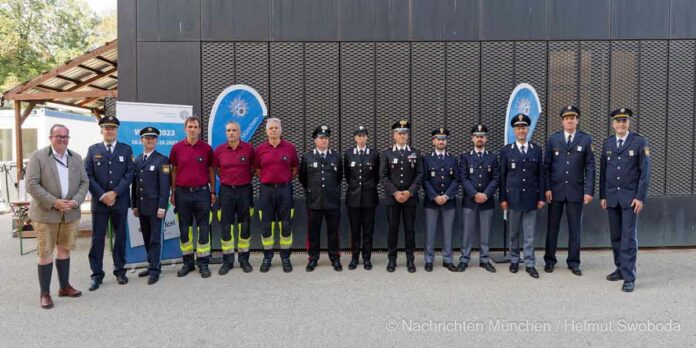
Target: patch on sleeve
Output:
[
  {"x": 647, "y": 151},
  {"x": 165, "y": 169}
]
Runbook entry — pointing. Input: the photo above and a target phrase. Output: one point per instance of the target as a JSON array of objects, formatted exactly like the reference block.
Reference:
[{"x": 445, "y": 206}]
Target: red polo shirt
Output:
[
  {"x": 275, "y": 163},
  {"x": 235, "y": 166},
  {"x": 191, "y": 162}
]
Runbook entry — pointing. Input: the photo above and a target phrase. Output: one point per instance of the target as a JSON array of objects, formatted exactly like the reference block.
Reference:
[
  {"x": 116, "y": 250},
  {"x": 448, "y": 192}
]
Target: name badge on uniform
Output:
[
  {"x": 556, "y": 153},
  {"x": 489, "y": 169},
  {"x": 152, "y": 168},
  {"x": 315, "y": 165},
  {"x": 352, "y": 164},
  {"x": 432, "y": 173},
  {"x": 579, "y": 148},
  {"x": 98, "y": 164},
  {"x": 630, "y": 152},
  {"x": 120, "y": 158},
  {"x": 395, "y": 161},
  {"x": 471, "y": 170},
  {"x": 512, "y": 165}
]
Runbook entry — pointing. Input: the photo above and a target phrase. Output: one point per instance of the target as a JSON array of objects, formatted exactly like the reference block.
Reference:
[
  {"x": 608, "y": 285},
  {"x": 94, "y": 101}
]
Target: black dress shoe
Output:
[
  {"x": 337, "y": 265},
  {"x": 95, "y": 285},
  {"x": 576, "y": 270},
  {"x": 144, "y": 273},
  {"x": 450, "y": 267},
  {"x": 205, "y": 272},
  {"x": 514, "y": 267},
  {"x": 287, "y": 265},
  {"x": 488, "y": 267},
  {"x": 391, "y": 266},
  {"x": 246, "y": 267},
  {"x": 461, "y": 267},
  {"x": 548, "y": 268},
  {"x": 265, "y": 265},
  {"x": 411, "y": 266},
  {"x": 367, "y": 265},
  {"x": 614, "y": 276},
  {"x": 628, "y": 286},
  {"x": 429, "y": 267},
  {"x": 152, "y": 280},
  {"x": 353, "y": 264},
  {"x": 185, "y": 270},
  {"x": 311, "y": 265},
  {"x": 122, "y": 279},
  {"x": 532, "y": 272}
]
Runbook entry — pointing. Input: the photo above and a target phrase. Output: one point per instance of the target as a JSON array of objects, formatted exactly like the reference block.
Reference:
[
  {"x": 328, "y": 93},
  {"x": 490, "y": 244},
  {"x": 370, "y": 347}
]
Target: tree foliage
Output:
[{"x": 37, "y": 35}]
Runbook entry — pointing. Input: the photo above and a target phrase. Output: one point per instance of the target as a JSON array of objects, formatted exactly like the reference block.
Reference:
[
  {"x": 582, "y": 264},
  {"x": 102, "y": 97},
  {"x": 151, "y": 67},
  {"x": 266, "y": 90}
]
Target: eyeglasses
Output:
[{"x": 61, "y": 137}]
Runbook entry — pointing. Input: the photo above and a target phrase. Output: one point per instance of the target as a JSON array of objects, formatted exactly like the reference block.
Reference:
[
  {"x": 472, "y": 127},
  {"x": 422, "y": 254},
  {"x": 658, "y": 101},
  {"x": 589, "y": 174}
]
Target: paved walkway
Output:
[{"x": 358, "y": 307}]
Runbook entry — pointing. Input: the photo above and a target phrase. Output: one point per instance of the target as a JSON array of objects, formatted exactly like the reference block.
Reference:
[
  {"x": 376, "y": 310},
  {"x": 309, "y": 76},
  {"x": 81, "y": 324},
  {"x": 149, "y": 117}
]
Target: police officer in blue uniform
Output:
[
  {"x": 522, "y": 191},
  {"x": 480, "y": 175},
  {"x": 569, "y": 169},
  {"x": 109, "y": 166},
  {"x": 401, "y": 174},
  {"x": 441, "y": 183},
  {"x": 624, "y": 176},
  {"x": 150, "y": 199},
  {"x": 320, "y": 173}
]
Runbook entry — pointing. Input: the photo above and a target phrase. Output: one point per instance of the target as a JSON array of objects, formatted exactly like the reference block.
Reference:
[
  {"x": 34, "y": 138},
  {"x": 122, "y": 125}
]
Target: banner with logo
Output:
[
  {"x": 169, "y": 119},
  {"x": 524, "y": 99}
]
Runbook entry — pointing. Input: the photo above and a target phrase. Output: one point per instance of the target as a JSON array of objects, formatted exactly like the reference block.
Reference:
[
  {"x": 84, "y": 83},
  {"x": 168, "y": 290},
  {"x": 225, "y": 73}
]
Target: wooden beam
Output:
[
  {"x": 18, "y": 139},
  {"x": 61, "y": 69},
  {"x": 108, "y": 61},
  {"x": 69, "y": 79},
  {"x": 48, "y": 88},
  {"x": 27, "y": 111},
  {"x": 97, "y": 87},
  {"x": 96, "y": 71},
  {"x": 113, "y": 77},
  {"x": 90, "y": 80},
  {"x": 66, "y": 95}
]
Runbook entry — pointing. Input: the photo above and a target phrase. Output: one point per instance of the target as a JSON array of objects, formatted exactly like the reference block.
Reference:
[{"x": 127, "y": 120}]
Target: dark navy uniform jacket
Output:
[
  {"x": 479, "y": 175},
  {"x": 441, "y": 177},
  {"x": 401, "y": 171},
  {"x": 521, "y": 177},
  {"x": 109, "y": 172},
  {"x": 150, "y": 189},
  {"x": 624, "y": 174},
  {"x": 362, "y": 175},
  {"x": 569, "y": 171},
  {"x": 321, "y": 179}
]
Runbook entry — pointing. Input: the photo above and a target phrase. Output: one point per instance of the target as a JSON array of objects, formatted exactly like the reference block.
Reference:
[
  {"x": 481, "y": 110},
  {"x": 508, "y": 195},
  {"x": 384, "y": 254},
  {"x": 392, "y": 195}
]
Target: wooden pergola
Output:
[{"x": 83, "y": 82}]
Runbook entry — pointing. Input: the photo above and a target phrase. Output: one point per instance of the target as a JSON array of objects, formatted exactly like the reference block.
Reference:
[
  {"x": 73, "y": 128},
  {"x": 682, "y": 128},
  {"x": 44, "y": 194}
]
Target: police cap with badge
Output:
[
  {"x": 479, "y": 130},
  {"x": 520, "y": 120},
  {"x": 109, "y": 121},
  {"x": 440, "y": 133},
  {"x": 360, "y": 130},
  {"x": 570, "y": 110},
  {"x": 622, "y": 113},
  {"x": 321, "y": 131},
  {"x": 149, "y": 132},
  {"x": 401, "y": 126}
]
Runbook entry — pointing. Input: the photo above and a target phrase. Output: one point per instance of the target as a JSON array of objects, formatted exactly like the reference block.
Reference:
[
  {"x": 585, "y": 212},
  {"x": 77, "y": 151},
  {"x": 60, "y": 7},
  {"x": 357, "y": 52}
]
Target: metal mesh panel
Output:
[
  {"x": 563, "y": 80},
  {"x": 462, "y": 88},
  {"x": 530, "y": 67},
  {"x": 251, "y": 68},
  {"x": 594, "y": 98},
  {"x": 357, "y": 91},
  {"x": 681, "y": 117},
  {"x": 110, "y": 106},
  {"x": 427, "y": 92},
  {"x": 496, "y": 85},
  {"x": 393, "y": 102},
  {"x": 653, "y": 108},
  {"x": 321, "y": 88},
  {"x": 624, "y": 75},
  {"x": 217, "y": 70},
  {"x": 287, "y": 94}
]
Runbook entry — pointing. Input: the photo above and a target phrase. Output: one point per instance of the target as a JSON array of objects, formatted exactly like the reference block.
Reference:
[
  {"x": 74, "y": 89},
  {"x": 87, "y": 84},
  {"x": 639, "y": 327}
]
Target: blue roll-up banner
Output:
[
  {"x": 239, "y": 103},
  {"x": 524, "y": 99},
  {"x": 169, "y": 119}
]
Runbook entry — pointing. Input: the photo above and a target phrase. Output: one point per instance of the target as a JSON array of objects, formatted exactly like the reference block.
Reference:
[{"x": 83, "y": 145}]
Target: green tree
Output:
[{"x": 37, "y": 35}]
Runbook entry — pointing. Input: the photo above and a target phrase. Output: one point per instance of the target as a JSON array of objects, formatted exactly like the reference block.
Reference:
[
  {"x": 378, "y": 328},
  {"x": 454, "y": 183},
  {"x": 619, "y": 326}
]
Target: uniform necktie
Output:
[
  {"x": 620, "y": 143},
  {"x": 570, "y": 138},
  {"x": 144, "y": 158},
  {"x": 362, "y": 152},
  {"x": 323, "y": 156},
  {"x": 441, "y": 157},
  {"x": 524, "y": 151},
  {"x": 478, "y": 154},
  {"x": 108, "y": 148}
]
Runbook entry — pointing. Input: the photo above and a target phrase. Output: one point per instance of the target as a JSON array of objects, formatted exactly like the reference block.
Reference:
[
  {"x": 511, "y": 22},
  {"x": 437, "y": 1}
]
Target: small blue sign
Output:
[
  {"x": 239, "y": 103},
  {"x": 524, "y": 99}
]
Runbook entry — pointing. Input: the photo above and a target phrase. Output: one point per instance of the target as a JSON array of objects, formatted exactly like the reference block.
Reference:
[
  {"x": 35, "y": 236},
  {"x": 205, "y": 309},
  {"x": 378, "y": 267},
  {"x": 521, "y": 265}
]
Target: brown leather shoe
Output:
[
  {"x": 46, "y": 301},
  {"x": 69, "y": 292}
]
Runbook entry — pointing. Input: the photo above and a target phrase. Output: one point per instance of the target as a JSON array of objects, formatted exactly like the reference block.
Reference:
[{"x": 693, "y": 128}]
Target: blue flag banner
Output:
[
  {"x": 169, "y": 119},
  {"x": 524, "y": 99},
  {"x": 239, "y": 103}
]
